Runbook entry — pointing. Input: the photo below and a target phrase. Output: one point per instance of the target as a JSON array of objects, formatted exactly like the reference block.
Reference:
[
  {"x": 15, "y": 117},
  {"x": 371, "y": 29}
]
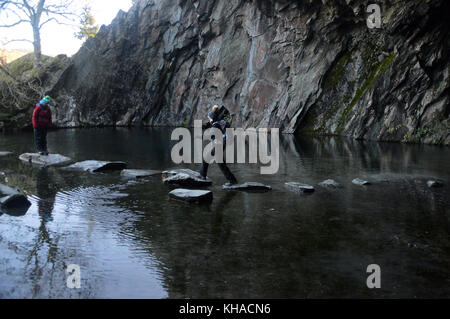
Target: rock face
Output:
[
  {"x": 302, "y": 66},
  {"x": 248, "y": 187},
  {"x": 138, "y": 173},
  {"x": 360, "y": 182},
  {"x": 299, "y": 187},
  {"x": 330, "y": 183},
  {"x": 98, "y": 166},
  {"x": 17, "y": 98},
  {"x": 192, "y": 196},
  {"x": 49, "y": 160},
  {"x": 12, "y": 201},
  {"x": 185, "y": 178}
]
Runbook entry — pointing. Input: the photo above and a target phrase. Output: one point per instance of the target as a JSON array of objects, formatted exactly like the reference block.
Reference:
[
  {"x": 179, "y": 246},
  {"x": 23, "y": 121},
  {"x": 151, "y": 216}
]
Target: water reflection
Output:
[
  {"x": 131, "y": 240},
  {"x": 46, "y": 192}
]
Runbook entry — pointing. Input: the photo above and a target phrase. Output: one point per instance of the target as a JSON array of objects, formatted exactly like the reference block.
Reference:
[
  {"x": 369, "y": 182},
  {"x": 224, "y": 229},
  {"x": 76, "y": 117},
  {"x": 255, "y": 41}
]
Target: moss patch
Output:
[
  {"x": 435, "y": 134},
  {"x": 5, "y": 117},
  {"x": 338, "y": 72},
  {"x": 377, "y": 72}
]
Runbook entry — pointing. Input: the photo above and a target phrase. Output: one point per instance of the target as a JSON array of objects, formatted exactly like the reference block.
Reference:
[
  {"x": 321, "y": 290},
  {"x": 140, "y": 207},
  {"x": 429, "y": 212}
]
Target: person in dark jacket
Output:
[
  {"x": 42, "y": 121},
  {"x": 216, "y": 121}
]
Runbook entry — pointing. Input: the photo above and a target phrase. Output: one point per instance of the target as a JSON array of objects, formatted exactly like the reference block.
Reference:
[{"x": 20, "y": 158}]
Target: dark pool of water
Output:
[{"x": 131, "y": 240}]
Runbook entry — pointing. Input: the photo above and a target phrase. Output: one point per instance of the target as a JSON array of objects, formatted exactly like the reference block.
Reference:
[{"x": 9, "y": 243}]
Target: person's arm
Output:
[
  {"x": 50, "y": 119},
  {"x": 35, "y": 114},
  {"x": 207, "y": 125}
]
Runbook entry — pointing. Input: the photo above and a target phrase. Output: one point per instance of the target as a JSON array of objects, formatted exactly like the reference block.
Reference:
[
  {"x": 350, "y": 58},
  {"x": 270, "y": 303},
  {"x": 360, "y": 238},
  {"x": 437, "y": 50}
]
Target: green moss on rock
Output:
[
  {"x": 377, "y": 72},
  {"x": 338, "y": 71}
]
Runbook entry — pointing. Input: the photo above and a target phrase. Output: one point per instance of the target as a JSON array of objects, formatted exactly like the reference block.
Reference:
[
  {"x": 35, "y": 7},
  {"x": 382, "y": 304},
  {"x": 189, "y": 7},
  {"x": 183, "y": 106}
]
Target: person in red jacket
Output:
[{"x": 42, "y": 121}]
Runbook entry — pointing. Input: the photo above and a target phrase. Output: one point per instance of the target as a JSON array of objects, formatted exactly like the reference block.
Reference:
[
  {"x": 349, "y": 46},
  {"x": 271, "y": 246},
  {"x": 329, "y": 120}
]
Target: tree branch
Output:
[
  {"x": 16, "y": 40},
  {"x": 14, "y": 24}
]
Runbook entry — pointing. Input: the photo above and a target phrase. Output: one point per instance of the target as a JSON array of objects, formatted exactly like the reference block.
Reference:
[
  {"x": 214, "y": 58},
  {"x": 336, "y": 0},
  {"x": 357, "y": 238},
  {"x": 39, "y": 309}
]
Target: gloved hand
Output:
[{"x": 206, "y": 126}]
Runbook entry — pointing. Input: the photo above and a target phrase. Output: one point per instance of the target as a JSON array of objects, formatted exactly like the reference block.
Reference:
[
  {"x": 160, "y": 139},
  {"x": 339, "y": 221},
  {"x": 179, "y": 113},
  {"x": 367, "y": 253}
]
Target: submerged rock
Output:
[
  {"x": 360, "y": 182},
  {"x": 2, "y": 154},
  {"x": 13, "y": 201},
  {"x": 192, "y": 196},
  {"x": 45, "y": 160},
  {"x": 249, "y": 186},
  {"x": 330, "y": 183},
  {"x": 299, "y": 187},
  {"x": 185, "y": 177},
  {"x": 138, "y": 173},
  {"x": 98, "y": 166},
  {"x": 435, "y": 183}
]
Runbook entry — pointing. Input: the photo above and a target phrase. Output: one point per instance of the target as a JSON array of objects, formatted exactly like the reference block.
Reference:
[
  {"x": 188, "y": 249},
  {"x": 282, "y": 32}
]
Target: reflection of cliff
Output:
[
  {"x": 46, "y": 192},
  {"x": 26, "y": 177},
  {"x": 310, "y": 246}
]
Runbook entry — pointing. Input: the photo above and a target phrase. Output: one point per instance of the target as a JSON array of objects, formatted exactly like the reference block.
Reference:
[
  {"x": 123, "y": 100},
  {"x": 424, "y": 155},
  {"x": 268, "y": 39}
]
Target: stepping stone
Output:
[
  {"x": 360, "y": 182},
  {"x": 12, "y": 201},
  {"x": 4, "y": 154},
  {"x": 330, "y": 183},
  {"x": 138, "y": 173},
  {"x": 435, "y": 184},
  {"x": 45, "y": 160},
  {"x": 192, "y": 196},
  {"x": 98, "y": 166},
  {"x": 299, "y": 187},
  {"x": 185, "y": 178},
  {"x": 249, "y": 186}
]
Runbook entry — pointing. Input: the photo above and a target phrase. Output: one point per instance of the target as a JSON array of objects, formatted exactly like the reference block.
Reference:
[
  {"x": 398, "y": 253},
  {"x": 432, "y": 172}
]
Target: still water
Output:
[{"x": 132, "y": 241}]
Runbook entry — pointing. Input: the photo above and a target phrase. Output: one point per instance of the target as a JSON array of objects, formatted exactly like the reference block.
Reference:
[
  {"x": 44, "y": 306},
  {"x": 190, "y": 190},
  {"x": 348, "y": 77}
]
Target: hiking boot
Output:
[{"x": 230, "y": 184}]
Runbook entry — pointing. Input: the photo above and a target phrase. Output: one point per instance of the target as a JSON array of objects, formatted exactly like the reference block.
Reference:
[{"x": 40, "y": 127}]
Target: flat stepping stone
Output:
[
  {"x": 192, "y": 196},
  {"x": 3, "y": 154},
  {"x": 185, "y": 178},
  {"x": 138, "y": 173},
  {"x": 330, "y": 183},
  {"x": 435, "y": 184},
  {"x": 360, "y": 182},
  {"x": 45, "y": 160},
  {"x": 249, "y": 186},
  {"x": 98, "y": 166},
  {"x": 12, "y": 198},
  {"x": 299, "y": 187}
]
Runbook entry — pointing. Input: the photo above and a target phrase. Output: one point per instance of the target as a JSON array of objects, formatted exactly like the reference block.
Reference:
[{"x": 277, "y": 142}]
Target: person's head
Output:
[{"x": 45, "y": 100}]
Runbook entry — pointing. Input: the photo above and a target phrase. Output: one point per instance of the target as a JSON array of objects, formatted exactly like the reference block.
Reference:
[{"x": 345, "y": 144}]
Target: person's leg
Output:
[
  {"x": 44, "y": 141},
  {"x": 204, "y": 169},
  {"x": 38, "y": 140},
  {"x": 227, "y": 173}
]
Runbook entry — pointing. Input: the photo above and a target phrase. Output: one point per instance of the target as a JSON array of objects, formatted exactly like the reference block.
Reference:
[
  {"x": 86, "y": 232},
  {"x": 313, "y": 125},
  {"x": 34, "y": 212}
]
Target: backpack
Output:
[{"x": 224, "y": 114}]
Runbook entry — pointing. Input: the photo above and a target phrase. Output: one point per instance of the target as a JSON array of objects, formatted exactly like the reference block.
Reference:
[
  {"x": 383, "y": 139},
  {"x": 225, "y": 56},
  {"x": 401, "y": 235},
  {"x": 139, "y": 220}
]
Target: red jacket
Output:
[{"x": 42, "y": 116}]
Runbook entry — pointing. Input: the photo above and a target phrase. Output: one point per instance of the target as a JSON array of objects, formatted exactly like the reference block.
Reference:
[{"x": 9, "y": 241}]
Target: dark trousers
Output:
[
  {"x": 223, "y": 167},
  {"x": 40, "y": 139}
]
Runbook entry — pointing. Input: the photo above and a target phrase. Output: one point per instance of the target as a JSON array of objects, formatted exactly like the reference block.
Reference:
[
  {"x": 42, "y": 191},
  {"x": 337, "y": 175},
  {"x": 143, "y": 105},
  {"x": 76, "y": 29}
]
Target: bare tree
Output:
[{"x": 37, "y": 13}]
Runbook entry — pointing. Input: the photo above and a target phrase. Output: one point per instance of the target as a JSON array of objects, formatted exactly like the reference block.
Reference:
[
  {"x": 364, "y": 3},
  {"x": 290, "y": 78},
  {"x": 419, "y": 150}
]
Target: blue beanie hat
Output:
[{"x": 45, "y": 100}]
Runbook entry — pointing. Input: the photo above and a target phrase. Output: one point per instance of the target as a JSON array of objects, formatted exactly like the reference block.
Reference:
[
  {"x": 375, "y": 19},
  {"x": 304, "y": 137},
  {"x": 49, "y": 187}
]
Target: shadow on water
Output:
[{"x": 132, "y": 240}]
